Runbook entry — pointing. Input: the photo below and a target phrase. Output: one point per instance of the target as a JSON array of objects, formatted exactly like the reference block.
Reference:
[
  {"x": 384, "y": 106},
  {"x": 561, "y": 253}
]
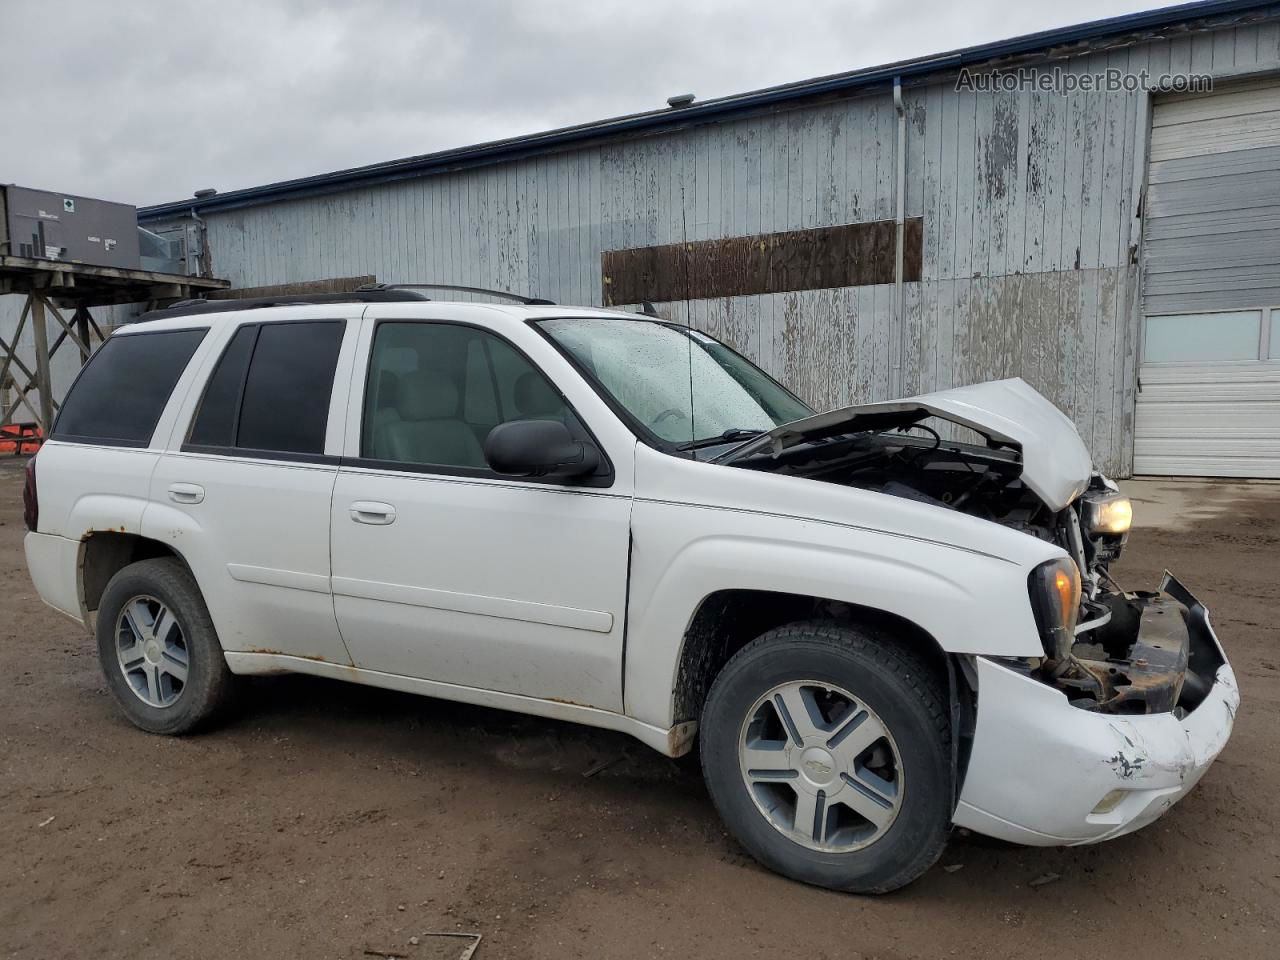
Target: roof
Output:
[{"x": 724, "y": 107}]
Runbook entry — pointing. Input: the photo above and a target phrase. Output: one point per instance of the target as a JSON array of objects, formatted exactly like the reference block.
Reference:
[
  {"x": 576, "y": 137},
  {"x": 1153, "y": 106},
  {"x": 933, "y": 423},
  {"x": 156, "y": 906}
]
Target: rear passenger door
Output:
[{"x": 244, "y": 490}]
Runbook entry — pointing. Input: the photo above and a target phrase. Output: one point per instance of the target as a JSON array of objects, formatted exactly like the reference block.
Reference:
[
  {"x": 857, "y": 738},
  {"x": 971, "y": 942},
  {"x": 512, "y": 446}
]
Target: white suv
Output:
[{"x": 872, "y": 629}]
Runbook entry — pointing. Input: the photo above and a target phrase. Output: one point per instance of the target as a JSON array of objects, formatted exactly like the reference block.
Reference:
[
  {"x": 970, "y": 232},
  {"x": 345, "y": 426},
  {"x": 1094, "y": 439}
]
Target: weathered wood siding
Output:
[{"x": 1029, "y": 203}]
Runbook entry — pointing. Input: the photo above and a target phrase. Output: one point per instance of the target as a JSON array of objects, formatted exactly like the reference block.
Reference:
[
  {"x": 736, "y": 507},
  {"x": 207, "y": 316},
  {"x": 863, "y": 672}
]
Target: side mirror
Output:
[{"x": 539, "y": 448}]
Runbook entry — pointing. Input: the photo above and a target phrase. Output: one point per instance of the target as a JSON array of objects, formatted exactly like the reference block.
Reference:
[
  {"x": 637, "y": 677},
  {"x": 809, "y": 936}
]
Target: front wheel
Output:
[{"x": 826, "y": 750}]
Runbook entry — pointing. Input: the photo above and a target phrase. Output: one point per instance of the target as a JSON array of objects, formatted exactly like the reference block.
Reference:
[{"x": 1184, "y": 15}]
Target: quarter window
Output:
[
  {"x": 271, "y": 389},
  {"x": 119, "y": 396},
  {"x": 435, "y": 390}
]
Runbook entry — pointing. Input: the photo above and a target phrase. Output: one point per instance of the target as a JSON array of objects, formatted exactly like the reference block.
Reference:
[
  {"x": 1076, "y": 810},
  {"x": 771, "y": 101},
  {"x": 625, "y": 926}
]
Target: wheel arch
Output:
[
  {"x": 727, "y": 620},
  {"x": 104, "y": 554}
]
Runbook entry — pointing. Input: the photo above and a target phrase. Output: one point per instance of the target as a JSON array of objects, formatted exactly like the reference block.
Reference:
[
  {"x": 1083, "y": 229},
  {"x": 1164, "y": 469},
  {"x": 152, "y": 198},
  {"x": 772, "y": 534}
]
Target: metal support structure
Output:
[
  {"x": 40, "y": 339},
  {"x": 52, "y": 288},
  {"x": 78, "y": 330}
]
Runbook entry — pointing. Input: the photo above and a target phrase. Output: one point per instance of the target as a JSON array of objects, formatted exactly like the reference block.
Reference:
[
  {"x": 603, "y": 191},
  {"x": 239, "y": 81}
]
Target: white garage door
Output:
[{"x": 1209, "y": 397}]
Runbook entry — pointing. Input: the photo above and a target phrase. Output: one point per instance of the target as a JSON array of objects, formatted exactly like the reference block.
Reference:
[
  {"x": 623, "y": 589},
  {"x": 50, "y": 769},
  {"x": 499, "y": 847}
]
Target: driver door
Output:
[{"x": 447, "y": 571}]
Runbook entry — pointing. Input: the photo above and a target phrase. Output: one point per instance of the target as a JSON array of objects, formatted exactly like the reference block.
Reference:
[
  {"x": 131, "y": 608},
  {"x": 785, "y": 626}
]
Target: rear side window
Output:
[
  {"x": 271, "y": 389},
  {"x": 215, "y": 423},
  {"x": 121, "y": 392}
]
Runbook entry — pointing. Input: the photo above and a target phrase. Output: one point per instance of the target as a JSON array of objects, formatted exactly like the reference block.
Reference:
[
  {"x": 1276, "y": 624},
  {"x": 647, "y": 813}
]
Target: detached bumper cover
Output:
[
  {"x": 52, "y": 562},
  {"x": 1040, "y": 767}
]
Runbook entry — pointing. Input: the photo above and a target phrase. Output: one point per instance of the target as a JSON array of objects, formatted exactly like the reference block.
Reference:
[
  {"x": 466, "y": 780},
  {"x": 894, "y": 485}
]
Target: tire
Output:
[
  {"x": 142, "y": 668},
  {"x": 878, "y": 786}
]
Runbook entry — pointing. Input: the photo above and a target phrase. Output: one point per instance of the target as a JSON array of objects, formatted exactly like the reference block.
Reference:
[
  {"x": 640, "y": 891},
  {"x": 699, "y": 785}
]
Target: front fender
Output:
[{"x": 971, "y": 602}]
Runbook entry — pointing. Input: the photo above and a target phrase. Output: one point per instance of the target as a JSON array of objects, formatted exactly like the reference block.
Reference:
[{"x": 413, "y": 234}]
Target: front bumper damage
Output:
[{"x": 1045, "y": 772}]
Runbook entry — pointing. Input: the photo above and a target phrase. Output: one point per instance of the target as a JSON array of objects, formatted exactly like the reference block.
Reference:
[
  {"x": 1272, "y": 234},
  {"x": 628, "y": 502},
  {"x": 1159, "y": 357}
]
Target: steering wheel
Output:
[{"x": 669, "y": 412}]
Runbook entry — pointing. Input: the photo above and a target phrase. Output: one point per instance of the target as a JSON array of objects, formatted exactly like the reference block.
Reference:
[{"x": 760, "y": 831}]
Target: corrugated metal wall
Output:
[{"x": 1030, "y": 238}]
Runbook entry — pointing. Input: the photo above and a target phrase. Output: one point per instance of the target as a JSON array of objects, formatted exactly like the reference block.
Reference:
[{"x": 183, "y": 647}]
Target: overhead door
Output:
[{"x": 1209, "y": 397}]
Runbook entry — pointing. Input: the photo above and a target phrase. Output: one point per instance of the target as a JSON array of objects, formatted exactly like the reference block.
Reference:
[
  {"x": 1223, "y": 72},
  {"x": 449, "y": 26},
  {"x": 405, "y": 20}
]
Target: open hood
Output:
[{"x": 1055, "y": 464}]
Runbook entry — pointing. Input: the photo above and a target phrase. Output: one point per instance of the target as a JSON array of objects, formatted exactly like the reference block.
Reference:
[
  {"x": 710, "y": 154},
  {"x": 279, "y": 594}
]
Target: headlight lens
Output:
[
  {"x": 1112, "y": 514},
  {"x": 1055, "y": 600}
]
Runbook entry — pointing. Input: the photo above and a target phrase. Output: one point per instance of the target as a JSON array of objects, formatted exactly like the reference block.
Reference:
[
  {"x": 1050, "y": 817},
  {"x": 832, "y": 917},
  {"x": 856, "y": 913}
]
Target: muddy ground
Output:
[{"x": 328, "y": 820}]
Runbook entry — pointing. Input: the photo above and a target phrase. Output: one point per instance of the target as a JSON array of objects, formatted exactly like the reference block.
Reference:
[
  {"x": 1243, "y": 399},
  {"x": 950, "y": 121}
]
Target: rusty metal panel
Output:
[
  {"x": 849, "y": 255},
  {"x": 333, "y": 285}
]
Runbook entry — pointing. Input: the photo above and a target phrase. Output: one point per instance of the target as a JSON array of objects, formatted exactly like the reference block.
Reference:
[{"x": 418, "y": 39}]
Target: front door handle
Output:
[
  {"x": 373, "y": 511},
  {"x": 186, "y": 493}
]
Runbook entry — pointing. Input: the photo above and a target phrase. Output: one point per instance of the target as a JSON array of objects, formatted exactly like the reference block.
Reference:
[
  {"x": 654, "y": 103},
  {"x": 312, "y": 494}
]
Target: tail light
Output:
[{"x": 30, "y": 502}]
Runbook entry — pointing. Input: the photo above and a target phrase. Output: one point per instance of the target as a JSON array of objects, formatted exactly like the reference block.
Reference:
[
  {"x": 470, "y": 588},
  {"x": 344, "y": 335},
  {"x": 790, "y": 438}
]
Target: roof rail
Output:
[
  {"x": 188, "y": 308},
  {"x": 503, "y": 294}
]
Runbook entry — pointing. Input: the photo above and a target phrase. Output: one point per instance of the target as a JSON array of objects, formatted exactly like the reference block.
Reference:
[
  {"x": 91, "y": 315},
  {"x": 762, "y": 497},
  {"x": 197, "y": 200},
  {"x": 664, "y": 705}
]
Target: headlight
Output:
[
  {"x": 1055, "y": 600},
  {"x": 1110, "y": 514}
]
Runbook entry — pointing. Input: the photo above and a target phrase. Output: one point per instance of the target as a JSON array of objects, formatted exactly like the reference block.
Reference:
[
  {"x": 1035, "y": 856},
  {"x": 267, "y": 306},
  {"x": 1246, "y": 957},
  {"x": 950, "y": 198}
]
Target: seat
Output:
[
  {"x": 428, "y": 429},
  {"x": 386, "y": 402},
  {"x": 535, "y": 399}
]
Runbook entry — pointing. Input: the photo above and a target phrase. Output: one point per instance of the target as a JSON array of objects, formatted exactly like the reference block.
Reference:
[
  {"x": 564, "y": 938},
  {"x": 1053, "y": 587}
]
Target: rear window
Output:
[
  {"x": 271, "y": 389},
  {"x": 121, "y": 392}
]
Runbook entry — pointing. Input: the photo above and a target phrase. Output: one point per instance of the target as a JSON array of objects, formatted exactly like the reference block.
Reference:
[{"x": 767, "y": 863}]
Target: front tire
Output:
[
  {"x": 159, "y": 652},
  {"x": 826, "y": 750}
]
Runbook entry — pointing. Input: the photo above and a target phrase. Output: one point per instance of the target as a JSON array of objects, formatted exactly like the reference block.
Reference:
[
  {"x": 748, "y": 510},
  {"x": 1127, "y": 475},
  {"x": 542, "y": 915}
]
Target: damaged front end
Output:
[
  {"x": 1111, "y": 650},
  {"x": 1108, "y": 650}
]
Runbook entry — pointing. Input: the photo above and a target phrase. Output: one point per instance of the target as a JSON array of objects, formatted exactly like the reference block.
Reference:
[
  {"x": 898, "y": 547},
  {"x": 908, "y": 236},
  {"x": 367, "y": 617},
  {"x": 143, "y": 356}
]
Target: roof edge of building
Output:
[{"x": 497, "y": 151}]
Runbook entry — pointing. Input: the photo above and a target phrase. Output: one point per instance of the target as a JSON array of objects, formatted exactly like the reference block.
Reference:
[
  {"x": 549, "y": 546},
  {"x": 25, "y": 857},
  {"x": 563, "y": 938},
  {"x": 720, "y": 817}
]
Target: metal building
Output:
[{"x": 889, "y": 231}]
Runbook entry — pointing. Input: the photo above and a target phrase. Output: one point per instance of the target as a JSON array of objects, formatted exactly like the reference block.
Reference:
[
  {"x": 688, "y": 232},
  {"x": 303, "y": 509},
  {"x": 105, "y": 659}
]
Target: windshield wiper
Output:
[{"x": 727, "y": 437}]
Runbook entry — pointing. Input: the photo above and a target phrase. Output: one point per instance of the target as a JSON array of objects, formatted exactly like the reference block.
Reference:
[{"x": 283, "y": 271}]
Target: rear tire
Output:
[
  {"x": 159, "y": 652},
  {"x": 826, "y": 750}
]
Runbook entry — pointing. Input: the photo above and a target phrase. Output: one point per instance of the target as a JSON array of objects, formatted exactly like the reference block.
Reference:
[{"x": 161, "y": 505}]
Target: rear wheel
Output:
[
  {"x": 158, "y": 649},
  {"x": 826, "y": 751}
]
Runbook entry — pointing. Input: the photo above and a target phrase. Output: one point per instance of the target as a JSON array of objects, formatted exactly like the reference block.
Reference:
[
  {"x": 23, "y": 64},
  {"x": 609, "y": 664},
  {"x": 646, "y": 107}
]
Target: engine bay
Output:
[{"x": 1121, "y": 652}]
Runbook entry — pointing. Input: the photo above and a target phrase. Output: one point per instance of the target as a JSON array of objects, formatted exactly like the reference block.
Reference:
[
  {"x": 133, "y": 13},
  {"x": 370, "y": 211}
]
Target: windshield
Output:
[{"x": 680, "y": 385}]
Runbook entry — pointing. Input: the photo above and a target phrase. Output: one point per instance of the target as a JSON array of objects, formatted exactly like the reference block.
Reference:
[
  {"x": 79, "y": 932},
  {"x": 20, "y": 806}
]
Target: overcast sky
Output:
[{"x": 144, "y": 102}]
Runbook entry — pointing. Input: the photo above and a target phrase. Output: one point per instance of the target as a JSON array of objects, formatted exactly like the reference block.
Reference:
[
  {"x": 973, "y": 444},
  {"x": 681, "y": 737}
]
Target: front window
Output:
[
  {"x": 683, "y": 387},
  {"x": 436, "y": 391}
]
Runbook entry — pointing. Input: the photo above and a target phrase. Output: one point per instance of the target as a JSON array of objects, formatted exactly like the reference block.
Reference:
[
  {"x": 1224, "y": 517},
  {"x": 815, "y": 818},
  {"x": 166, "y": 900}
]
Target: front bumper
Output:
[{"x": 1040, "y": 767}]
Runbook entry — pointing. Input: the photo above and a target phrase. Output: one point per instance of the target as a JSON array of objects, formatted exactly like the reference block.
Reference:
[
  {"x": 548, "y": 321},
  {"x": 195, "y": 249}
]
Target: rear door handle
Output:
[
  {"x": 186, "y": 493},
  {"x": 373, "y": 511}
]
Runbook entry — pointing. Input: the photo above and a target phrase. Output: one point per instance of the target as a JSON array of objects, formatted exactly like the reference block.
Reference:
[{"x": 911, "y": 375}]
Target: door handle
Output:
[
  {"x": 373, "y": 511},
  {"x": 186, "y": 493}
]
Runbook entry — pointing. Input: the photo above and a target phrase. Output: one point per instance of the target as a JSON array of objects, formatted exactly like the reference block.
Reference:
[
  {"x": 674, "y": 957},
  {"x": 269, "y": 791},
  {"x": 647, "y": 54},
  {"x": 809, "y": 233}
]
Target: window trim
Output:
[
  {"x": 603, "y": 477},
  {"x": 120, "y": 442},
  {"x": 251, "y": 453},
  {"x": 254, "y": 453}
]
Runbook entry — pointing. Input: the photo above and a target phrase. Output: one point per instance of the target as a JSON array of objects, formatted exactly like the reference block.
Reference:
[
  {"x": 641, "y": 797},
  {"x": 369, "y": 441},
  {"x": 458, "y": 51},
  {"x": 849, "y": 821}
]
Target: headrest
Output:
[
  {"x": 424, "y": 396},
  {"x": 535, "y": 398}
]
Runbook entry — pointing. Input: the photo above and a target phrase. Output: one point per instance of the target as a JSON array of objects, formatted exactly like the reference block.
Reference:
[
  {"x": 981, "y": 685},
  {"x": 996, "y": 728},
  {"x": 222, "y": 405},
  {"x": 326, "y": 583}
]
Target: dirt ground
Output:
[{"x": 330, "y": 820}]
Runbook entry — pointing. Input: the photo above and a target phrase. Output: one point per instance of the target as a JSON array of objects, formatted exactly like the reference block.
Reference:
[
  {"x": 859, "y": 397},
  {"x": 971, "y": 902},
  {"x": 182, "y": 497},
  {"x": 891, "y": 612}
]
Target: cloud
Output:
[{"x": 146, "y": 102}]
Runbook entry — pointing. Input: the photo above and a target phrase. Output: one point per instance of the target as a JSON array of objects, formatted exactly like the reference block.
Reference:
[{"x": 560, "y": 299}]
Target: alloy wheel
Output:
[
  {"x": 152, "y": 651},
  {"x": 821, "y": 766}
]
